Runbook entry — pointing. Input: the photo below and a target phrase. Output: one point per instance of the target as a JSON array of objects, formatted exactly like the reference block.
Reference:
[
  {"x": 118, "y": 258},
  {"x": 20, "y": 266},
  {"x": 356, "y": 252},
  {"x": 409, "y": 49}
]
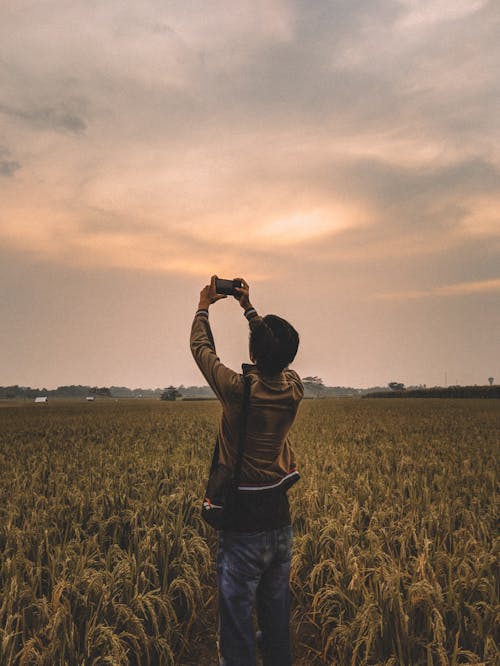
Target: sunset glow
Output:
[{"x": 343, "y": 158}]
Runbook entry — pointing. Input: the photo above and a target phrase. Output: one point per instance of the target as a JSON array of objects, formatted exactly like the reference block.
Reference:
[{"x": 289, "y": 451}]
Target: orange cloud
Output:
[{"x": 459, "y": 289}]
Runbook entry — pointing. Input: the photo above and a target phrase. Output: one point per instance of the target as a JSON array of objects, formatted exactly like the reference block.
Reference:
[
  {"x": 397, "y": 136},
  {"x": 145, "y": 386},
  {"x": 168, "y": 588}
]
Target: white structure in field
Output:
[
  {"x": 42, "y": 398},
  {"x": 90, "y": 398}
]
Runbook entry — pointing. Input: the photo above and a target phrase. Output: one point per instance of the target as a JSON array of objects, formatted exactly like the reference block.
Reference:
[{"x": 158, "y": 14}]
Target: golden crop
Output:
[{"x": 105, "y": 559}]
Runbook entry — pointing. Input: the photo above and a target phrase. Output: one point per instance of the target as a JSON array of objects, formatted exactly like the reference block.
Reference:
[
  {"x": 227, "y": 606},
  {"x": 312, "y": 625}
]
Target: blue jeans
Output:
[{"x": 253, "y": 570}]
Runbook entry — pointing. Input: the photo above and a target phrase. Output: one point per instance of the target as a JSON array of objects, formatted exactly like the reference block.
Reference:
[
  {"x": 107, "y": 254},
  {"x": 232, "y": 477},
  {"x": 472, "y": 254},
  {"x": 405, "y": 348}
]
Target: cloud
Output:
[
  {"x": 429, "y": 197},
  {"x": 424, "y": 13},
  {"x": 345, "y": 153},
  {"x": 46, "y": 117},
  {"x": 8, "y": 167},
  {"x": 360, "y": 130},
  {"x": 461, "y": 289}
]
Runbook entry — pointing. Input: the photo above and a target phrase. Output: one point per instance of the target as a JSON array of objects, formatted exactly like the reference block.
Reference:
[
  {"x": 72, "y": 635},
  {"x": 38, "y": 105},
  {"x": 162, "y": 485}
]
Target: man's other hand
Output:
[{"x": 242, "y": 294}]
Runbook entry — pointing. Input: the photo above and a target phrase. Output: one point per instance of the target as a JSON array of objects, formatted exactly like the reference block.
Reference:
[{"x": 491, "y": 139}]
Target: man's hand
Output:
[
  {"x": 243, "y": 294},
  {"x": 208, "y": 295}
]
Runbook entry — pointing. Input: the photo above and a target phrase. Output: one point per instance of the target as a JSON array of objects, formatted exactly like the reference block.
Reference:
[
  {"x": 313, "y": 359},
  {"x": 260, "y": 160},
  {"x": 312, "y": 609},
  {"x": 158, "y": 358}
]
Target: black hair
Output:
[{"x": 273, "y": 344}]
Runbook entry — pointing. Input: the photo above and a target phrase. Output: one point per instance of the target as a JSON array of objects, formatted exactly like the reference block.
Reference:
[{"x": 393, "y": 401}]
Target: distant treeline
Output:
[
  {"x": 74, "y": 391},
  {"x": 440, "y": 392},
  {"x": 81, "y": 391},
  {"x": 182, "y": 392},
  {"x": 206, "y": 393},
  {"x": 338, "y": 391}
]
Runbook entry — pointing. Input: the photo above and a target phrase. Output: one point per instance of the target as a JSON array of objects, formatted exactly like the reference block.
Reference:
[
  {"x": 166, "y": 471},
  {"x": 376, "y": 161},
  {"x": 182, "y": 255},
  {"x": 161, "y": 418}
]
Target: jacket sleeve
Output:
[
  {"x": 297, "y": 383},
  {"x": 225, "y": 383}
]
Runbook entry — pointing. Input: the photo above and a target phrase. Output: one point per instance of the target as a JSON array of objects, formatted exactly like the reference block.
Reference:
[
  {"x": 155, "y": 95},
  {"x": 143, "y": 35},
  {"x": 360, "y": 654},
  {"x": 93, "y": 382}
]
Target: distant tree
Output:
[
  {"x": 102, "y": 391},
  {"x": 314, "y": 385},
  {"x": 170, "y": 393},
  {"x": 72, "y": 391},
  {"x": 491, "y": 380},
  {"x": 396, "y": 386}
]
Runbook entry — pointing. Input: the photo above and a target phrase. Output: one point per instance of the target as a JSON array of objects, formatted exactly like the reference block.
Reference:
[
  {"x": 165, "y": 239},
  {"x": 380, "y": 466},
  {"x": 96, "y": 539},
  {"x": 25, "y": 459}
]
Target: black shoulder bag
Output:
[{"x": 220, "y": 501}]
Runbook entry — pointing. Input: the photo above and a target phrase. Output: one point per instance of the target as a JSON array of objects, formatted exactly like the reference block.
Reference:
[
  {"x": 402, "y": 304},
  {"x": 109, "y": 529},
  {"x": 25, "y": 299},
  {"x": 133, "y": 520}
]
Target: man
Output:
[{"x": 253, "y": 560}]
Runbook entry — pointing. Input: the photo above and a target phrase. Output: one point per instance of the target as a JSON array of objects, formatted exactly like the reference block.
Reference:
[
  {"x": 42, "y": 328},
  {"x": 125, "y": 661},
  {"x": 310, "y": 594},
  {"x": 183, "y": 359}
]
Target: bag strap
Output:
[
  {"x": 215, "y": 456},
  {"x": 243, "y": 429}
]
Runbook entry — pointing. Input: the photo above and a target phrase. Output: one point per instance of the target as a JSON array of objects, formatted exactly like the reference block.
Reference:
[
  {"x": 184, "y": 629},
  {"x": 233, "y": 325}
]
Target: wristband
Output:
[{"x": 250, "y": 313}]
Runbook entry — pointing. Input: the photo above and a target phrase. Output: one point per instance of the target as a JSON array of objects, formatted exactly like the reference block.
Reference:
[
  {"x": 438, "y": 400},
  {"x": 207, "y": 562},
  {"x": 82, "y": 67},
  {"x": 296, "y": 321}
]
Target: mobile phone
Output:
[{"x": 227, "y": 286}]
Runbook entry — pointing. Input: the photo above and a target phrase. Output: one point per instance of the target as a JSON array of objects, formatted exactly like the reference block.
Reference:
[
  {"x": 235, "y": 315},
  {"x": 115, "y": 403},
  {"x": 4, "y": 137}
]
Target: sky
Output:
[{"x": 343, "y": 157}]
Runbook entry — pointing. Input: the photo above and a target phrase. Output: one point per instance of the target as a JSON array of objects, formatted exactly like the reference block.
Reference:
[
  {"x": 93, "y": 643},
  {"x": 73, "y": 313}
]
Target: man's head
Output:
[{"x": 273, "y": 344}]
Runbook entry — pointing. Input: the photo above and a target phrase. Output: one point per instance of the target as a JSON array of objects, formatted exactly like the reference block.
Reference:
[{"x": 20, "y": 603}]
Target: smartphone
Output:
[{"x": 227, "y": 286}]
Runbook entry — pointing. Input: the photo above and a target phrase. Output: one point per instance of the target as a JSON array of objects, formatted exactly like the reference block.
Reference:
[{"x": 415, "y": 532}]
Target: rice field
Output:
[{"x": 105, "y": 559}]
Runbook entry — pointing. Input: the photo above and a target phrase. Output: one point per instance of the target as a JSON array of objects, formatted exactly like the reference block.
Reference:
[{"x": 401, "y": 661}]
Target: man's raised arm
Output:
[{"x": 225, "y": 383}]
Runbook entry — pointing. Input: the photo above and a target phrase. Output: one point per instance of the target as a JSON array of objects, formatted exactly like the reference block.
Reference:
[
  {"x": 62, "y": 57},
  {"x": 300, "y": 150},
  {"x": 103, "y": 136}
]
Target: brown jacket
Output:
[{"x": 268, "y": 457}]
